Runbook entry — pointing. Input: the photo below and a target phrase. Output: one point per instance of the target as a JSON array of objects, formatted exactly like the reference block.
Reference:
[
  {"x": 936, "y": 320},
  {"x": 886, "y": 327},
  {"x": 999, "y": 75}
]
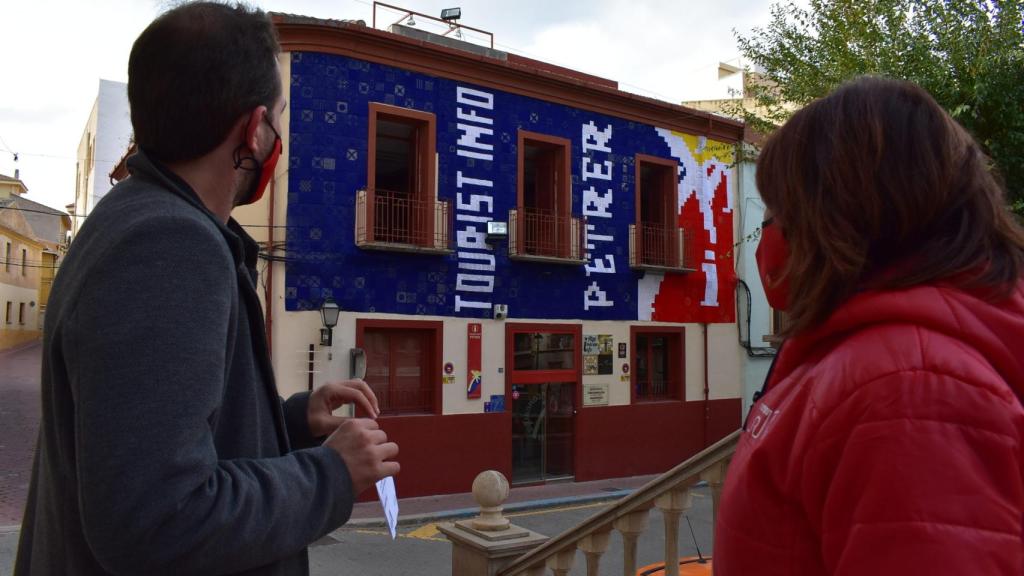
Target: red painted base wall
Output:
[
  {"x": 443, "y": 454},
  {"x": 619, "y": 441}
]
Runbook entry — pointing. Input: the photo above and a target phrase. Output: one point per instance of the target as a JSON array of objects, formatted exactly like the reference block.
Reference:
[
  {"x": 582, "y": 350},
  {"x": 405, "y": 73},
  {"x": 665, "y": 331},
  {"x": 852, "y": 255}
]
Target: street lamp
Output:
[{"x": 329, "y": 311}]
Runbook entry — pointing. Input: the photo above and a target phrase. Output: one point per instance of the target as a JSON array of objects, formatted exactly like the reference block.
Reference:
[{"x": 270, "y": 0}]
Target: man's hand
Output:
[
  {"x": 366, "y": 451},
  {"x": 329, "y": 397}
]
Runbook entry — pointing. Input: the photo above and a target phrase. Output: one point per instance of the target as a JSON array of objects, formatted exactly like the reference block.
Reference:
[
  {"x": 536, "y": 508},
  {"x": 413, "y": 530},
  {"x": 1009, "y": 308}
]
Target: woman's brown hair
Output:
[{"x": 876, "y": 186}]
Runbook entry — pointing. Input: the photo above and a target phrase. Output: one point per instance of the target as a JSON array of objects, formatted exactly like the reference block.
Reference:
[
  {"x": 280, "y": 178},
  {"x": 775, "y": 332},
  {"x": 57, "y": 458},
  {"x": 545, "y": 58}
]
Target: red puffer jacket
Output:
[{"x": 890, "y": 440}]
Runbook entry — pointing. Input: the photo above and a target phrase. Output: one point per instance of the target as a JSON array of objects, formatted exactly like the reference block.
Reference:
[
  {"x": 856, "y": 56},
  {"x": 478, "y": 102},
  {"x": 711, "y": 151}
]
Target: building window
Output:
[
  {"x": 24, "y": 255},
  {"x": 7, "y": 258},
  {"x": 399, "y": 206},
  {"x": 658, "y": 362},
  {"x": 656, "y": 240},
  {"x": 542, "y": 225},
  {"x": 7, "y": 317},
  {"x": 21, "y": 312},
  {"x": 779, "y": 323},
  {"x": 544, "y": 351},
  {"x": 403, "y": 361}
]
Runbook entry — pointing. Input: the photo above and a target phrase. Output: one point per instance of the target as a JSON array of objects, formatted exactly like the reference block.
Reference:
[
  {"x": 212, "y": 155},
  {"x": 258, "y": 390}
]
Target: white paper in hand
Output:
[{"x": 388, "y": 499}]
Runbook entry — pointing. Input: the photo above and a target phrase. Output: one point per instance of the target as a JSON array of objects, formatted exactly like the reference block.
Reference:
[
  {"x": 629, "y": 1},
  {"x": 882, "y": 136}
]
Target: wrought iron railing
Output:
[
  {"x": 388, "y": 220},
  {"x": 543, "y": 235},
  {"x": 669, "y": 493},
  {"x": 654, "y": 247}
]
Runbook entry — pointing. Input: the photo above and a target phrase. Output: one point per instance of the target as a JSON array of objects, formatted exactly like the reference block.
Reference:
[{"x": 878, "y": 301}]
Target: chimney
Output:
[{"x": 16, "y": 174}]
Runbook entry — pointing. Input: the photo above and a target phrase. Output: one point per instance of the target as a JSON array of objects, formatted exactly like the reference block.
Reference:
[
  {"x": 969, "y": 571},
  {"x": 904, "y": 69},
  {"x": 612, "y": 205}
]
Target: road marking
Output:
[
  {"x": 420, "y": 533},
  {"x": 559, "y": 509},
  {"x": 425, "y": 532}
]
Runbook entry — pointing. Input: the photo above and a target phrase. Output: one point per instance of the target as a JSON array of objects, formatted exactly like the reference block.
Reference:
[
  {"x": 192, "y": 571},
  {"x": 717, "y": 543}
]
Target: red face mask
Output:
[
  {"x": 772, "y": 255},
  {"x": 266, "y": 169}
]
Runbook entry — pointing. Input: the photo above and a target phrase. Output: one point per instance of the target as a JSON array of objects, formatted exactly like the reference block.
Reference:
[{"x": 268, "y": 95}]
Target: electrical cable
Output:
[{"x": 753, "y": 352}]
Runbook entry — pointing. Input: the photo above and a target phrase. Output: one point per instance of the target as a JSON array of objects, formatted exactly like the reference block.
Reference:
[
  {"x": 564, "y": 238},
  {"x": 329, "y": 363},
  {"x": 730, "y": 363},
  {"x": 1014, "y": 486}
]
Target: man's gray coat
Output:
[{"x": 164, "y": 447}]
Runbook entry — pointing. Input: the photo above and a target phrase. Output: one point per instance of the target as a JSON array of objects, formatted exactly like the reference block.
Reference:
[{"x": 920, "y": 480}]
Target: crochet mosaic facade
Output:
[{"x": 478, "y": 138}]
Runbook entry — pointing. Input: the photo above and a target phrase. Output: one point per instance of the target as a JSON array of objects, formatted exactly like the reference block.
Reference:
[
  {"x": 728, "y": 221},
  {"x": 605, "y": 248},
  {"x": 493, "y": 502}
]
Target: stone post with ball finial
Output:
[{"x": 484, "y": 545}]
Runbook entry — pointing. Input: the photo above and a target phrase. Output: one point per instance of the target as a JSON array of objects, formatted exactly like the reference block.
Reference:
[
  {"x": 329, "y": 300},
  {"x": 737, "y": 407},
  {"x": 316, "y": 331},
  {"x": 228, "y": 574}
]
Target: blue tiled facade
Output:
[{"x": 329, "y": 101}]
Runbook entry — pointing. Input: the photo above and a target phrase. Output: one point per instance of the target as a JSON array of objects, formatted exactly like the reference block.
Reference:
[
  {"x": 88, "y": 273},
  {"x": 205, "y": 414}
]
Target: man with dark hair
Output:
[{"x": 164, "y": 447}]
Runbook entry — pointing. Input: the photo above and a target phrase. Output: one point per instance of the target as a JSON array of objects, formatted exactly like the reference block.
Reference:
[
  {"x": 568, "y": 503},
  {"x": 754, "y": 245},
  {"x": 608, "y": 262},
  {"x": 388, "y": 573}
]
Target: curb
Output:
[
  {"x": 14, "y": 529},
  {"x": 414, "y": 519},
  {"x": 21, "y": 347}
]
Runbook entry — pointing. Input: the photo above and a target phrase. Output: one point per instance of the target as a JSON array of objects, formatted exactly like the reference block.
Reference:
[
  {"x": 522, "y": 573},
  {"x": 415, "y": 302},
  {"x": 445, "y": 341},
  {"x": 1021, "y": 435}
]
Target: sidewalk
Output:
[{"x": 449, "y": 506}]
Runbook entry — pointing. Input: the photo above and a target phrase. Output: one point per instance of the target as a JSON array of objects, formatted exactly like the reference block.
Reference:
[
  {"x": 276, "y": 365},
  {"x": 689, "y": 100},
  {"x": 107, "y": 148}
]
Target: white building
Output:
[{"x": 104, "y": 139}]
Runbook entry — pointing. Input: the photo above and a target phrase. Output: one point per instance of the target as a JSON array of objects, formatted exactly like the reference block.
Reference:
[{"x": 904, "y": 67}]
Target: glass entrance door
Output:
[
  {"x": 542, "y": 431},
  {"x": 544, "y": 382}
]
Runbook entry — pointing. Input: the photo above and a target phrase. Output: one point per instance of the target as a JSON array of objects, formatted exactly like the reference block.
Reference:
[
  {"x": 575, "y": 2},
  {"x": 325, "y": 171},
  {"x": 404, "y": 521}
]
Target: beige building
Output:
[
  {"x": 33, "y": 238},
  {"x": 19, "y": 277},
  {"x": 737, "y": 81}
]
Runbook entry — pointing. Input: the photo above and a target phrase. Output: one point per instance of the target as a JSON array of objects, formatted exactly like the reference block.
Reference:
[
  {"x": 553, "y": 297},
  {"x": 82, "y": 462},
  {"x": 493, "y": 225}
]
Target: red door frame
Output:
[{"x": 574, "y": 375}]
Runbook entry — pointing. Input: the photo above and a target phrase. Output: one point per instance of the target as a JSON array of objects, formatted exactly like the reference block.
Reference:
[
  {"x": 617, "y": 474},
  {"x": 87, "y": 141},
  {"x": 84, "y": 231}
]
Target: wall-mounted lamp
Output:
[
  {"x": 496, "y": 231},
  {"x": 411, "y": 21},
  {"x": 329, "y": 311}
]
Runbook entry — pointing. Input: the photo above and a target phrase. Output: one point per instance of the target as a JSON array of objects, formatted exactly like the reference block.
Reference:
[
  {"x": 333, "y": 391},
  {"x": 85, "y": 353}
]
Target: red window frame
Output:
[
  {"x": 676, "y": 338},
  {"x": 431, "y": 371},
  {"x": 574, "y": 374},
  {"x": 422, "y": 185},
  {"x": 661, "y": 202},
  {"x": 559, "y": 201}
]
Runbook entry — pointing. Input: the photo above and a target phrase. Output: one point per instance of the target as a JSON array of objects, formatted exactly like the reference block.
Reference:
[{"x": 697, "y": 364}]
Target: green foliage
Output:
[{"x": 969, "y": 54}]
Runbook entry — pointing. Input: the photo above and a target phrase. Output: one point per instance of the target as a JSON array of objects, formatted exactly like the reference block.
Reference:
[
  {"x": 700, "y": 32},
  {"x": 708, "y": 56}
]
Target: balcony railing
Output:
[
  {"x": 545, "y": 236},
  {"x": 669, "y": 493},
  {"x": 387, "y": 220},
  {"x": 660, "y": 248}
]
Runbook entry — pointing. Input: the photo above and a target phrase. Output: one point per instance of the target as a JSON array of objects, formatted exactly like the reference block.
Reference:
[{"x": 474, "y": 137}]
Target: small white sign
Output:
[
  {"x": 595, "y": 394},
  {"x": 389, "y": 501}
]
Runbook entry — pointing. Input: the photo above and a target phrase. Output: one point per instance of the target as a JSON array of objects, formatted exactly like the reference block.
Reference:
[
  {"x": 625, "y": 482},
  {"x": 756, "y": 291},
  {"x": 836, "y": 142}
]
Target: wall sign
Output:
[
  {"x": 473, "y": 370},
  {"x": 595, "y": 394},
  {"x": 622, "y": 349}
]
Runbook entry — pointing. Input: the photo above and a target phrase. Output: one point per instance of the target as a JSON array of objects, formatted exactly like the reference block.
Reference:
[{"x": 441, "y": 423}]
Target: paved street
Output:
[{"x": 19, "y": 423}]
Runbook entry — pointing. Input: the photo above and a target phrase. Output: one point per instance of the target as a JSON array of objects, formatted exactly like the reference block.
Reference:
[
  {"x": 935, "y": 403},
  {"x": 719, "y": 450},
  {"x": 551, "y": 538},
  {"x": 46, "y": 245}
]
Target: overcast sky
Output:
[{"x": 55, "y": 52}]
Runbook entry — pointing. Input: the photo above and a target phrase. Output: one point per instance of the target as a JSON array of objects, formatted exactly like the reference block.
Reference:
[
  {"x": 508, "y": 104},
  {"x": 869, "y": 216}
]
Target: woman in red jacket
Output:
[{"x": 889, "y": 437}]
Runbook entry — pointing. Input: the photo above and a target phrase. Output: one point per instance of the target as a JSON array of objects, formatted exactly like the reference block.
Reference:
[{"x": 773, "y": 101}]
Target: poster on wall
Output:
[
  {"x": 473, "y": 368},
  {"x": 598, "y": 353}
]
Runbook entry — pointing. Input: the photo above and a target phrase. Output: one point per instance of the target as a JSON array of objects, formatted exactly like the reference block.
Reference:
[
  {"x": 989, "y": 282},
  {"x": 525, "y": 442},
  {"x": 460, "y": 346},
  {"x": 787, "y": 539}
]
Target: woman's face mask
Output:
[{"x": 772, "y": 255}]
